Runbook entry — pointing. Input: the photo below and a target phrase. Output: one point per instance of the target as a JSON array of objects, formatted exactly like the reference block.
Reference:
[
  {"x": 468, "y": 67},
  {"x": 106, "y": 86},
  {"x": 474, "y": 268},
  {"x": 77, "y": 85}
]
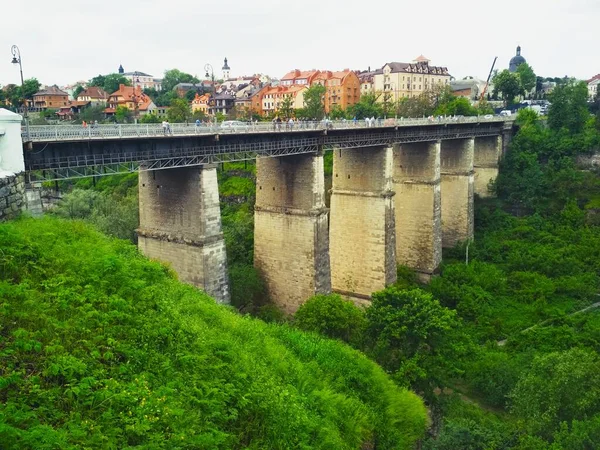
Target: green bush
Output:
[
  {"x": 332, "y": 316},
  {"x": 101, "y": 348}
]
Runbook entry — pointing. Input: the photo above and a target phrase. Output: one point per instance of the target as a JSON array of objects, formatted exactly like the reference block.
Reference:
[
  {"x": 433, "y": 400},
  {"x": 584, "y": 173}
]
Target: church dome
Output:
[{"x": 516, "y": 61}]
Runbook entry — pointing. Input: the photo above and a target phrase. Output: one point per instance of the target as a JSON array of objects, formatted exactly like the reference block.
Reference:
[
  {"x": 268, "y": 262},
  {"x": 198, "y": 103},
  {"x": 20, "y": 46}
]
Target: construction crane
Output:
[{"x": 488, "y": 80}]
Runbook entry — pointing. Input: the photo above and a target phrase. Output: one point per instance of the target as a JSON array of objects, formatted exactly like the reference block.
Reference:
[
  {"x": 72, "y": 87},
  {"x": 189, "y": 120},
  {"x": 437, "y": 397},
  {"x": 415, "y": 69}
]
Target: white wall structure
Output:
[{"x": 11, "y": 145}]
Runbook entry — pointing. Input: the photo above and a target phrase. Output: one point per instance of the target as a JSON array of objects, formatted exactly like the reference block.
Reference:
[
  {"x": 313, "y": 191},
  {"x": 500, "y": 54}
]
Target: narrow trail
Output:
[{"x": 587, "y": 308}]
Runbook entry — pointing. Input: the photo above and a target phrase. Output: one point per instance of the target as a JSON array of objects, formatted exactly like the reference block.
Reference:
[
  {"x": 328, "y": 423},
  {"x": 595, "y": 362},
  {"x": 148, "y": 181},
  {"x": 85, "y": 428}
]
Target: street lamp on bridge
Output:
[
  {"x": 17, "y": 60},
  {"x": 207, "y": 68}
]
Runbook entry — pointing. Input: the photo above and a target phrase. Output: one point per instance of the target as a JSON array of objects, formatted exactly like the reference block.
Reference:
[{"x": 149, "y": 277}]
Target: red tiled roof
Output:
[{"x": 94, "y": 92}]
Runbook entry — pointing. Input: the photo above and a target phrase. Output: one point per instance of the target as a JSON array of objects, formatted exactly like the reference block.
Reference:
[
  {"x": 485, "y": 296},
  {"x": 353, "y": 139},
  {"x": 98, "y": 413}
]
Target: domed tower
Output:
[
  {"x": 121, "y": 70},
  {"x": 226, "y": 70},
  {"x": 516, "y": 60}
]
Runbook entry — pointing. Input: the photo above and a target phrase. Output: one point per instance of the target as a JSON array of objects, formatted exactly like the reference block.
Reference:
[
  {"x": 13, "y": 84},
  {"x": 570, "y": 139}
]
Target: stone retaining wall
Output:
[{"x": 12, "y": 196}]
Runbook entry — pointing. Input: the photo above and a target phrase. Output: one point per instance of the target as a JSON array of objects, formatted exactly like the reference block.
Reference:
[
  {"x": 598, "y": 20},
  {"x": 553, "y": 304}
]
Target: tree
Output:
[
  {"x": 286, "y": 108},
  {"x": 179, "y": 110},
  {"x": 508, "y": 85},
  {"x": 336, "y": 113},
  {"x": 568, "y": 107},
  {"x": 559, "y": 387},
  {"x": 30, "y": 87},
  {"x": 123, "y": 114},
  {"x": 198, "y": 115},
  {"x": 527, "y": 77},
  {"x": 110, "y": 83},
  {"x": 92, "y": 113},
  {"x": 412, "y": 334},
  {"x": 458, "y": 106},
  {"x": 78, "y": 90},
  {"x": 367, "y": 106},
  {"x": 150, "y": 118},
  {"x": 313, "y": 102},
  {"x": 332, "y": 316},
  {"x": 173, "y": 77}
]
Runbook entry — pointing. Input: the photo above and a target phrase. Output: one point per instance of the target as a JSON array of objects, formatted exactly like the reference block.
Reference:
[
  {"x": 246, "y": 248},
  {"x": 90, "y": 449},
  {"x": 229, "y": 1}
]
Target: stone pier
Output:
[
  {"x": 291, "y": 243},
  {"x": 457, "y": 191},
  {"x": 418, "y": 207},
  {"x": 362, "y": 217},
  {"x": 487, "y": 154},
  {"x": 180, "y": 223}
]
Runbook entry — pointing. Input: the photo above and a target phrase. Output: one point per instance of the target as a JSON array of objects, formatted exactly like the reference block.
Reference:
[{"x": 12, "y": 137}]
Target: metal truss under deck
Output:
[{"x": 53, "y": 169}]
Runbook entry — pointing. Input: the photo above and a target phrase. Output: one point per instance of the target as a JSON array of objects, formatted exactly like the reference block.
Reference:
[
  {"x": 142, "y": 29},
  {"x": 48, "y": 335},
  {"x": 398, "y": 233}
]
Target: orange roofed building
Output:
[
  {"x": 273, "y": 97},
  {"x": 342, "y": 88},
  {"x": 201, "y": 103},
  {"x": 126, "y": 96},
  {"x": 296, "y": 76}
]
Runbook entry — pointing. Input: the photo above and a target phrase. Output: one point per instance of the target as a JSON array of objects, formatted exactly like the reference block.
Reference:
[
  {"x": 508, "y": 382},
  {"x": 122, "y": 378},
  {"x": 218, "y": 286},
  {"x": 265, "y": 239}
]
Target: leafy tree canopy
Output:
[
  {"x": 110, "y": 83},
  {"x": 179, "y": 110},
  {"x": 173, "y": 77},
  {"x": 314, "y": 107}
]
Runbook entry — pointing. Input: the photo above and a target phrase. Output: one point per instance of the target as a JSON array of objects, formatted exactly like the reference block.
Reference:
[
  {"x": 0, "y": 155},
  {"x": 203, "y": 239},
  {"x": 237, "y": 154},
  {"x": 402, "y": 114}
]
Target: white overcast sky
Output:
[{"x": 65, "y": 41}]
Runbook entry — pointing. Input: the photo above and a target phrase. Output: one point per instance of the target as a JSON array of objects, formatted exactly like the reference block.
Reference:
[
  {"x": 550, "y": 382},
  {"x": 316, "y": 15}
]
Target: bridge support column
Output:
[
  {"x": 291, "y": 244},
  {"x": 488, "y": 151},
  {"x": 457, "y": 191},
  {"x": 362, "y": 231},
  {"x": 180, "y": 223},
  {"x": 418, "y": 207}
]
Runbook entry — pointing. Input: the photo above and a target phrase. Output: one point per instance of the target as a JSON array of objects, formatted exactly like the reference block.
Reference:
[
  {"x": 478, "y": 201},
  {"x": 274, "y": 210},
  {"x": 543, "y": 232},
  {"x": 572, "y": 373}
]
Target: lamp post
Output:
[
  {"x": 17, "y": 60},
  {"x": 207, "y": 68}
]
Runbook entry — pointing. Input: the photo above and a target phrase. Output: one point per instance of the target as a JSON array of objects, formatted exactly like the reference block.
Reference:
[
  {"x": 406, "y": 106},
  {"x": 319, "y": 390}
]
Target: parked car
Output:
[
  {"x": 234, "y": 125},
  {"x": 506, "y": 113}
]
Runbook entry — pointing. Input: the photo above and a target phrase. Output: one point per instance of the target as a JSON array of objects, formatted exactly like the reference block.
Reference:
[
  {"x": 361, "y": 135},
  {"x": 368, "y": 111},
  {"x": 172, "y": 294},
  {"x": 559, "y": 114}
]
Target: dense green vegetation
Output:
[
  {"x": 502, "y": 347},
  {"x": 100, "y": 348}
]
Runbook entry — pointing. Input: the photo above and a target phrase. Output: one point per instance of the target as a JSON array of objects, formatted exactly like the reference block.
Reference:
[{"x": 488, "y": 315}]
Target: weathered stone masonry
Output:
[
  {"x": 180, "y": 223},
  {"x": 488, "y": 151},
  {"x": 12, "y": 196},
  {"x": 362, "y": 231},
  {"x": 457, "y": 190},
  {"x": 418, "y": 207},
  {"x": 291, "y": 245}
]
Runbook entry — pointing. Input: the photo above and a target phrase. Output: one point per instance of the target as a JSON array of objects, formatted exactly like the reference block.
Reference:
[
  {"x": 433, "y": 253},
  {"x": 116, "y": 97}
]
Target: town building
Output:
[
  {"x": 50, "y": 98},
  {"x": 404, "y": 80},
  {"x": 592, "y": 85},
  {"x": 367, "y": 80},
  {"x": 144, "y": 80},
  {"x": 469, "y": 88},
  {"x": 222, "y": 103},
  {"x": 94, "y": 94},
  {"x": 303, "y": 78},
  {"x": 516, "y": 60},
  {"x": 273, "y": 97},
  {"x": 226, "y": 69},
  {"x": 201, "y": 103},
  {"x": 184, "y": 88},
  {"x": 133, "y": 99},
  {"x": 342, "y": 89},
  {"x": 256, "y": 99}
]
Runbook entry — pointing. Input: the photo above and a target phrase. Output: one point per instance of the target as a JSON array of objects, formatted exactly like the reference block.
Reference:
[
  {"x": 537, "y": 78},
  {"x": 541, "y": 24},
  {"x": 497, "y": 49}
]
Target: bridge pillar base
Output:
[
  {"x": 488, "y": 151},
  {"x": 418, "y": 207},
  {"x": 180, "y": 223},
  {"x": 457, "y": 191},
  {"x": 291, "y": 242},
  {"x": 362, "y": 230}
]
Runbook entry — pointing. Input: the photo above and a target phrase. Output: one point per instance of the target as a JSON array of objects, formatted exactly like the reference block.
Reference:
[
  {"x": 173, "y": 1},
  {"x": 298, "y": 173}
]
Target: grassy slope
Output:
[{"x": 100, "y": 348}]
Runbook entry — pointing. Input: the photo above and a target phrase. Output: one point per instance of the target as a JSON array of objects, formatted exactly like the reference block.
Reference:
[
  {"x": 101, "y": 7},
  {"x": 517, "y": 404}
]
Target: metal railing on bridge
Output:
[{"x": 53, "y": 133}]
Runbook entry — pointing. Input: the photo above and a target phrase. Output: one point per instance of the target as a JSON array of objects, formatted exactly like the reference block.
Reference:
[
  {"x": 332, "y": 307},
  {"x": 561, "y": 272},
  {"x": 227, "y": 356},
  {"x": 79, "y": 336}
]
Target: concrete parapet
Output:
[
  {"x": 418, "y": 206},
  {"x": 457, "y": 190},
  {"x": 180, "y": 223},
  {"x": 291, "y": 243},
  {"x": 487, "y": 154},
  {"x": 362, "y": 224}
]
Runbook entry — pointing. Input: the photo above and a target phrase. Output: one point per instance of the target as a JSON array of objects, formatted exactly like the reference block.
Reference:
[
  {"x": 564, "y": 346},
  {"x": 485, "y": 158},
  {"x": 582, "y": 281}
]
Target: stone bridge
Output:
[{"x": 402, "y": 190}]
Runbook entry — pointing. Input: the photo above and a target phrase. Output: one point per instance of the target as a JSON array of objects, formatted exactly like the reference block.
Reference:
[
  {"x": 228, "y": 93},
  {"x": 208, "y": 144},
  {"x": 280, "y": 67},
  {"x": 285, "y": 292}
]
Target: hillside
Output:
[{"x": 101, "y": 348}]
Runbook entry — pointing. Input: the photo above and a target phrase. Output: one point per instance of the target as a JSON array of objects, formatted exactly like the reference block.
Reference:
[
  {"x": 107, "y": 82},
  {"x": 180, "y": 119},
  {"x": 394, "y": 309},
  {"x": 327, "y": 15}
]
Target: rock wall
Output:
[{"x": 12, "y": 196}]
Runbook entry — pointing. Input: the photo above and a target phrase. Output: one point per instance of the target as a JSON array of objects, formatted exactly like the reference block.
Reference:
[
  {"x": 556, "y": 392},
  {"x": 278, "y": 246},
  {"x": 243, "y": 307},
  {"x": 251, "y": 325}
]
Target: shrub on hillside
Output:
[{"x": 332, "y": 316}]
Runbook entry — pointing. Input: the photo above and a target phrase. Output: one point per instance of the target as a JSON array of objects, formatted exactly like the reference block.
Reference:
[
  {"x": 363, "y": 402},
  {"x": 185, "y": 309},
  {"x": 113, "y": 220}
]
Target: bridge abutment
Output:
[
  {"x": 362, "y": 221},
  {"x": 418, "y": 206},
  {"x": 457, "y": 190},
  {"x": 488, "y": 151},
  {"x": 180, "y": 223},
  {"x": 291, "y": 242}
]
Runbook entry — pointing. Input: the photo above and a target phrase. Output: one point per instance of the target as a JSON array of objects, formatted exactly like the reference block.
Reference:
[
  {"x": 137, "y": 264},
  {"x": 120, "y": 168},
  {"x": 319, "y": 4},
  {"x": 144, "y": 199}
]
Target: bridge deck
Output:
[{"x": 96, "y": 155}]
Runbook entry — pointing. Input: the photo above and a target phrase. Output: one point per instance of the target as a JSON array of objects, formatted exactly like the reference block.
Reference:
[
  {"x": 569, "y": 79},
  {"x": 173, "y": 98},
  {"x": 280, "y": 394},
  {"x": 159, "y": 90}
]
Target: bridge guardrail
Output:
[{"x": 54, "y": 133}]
